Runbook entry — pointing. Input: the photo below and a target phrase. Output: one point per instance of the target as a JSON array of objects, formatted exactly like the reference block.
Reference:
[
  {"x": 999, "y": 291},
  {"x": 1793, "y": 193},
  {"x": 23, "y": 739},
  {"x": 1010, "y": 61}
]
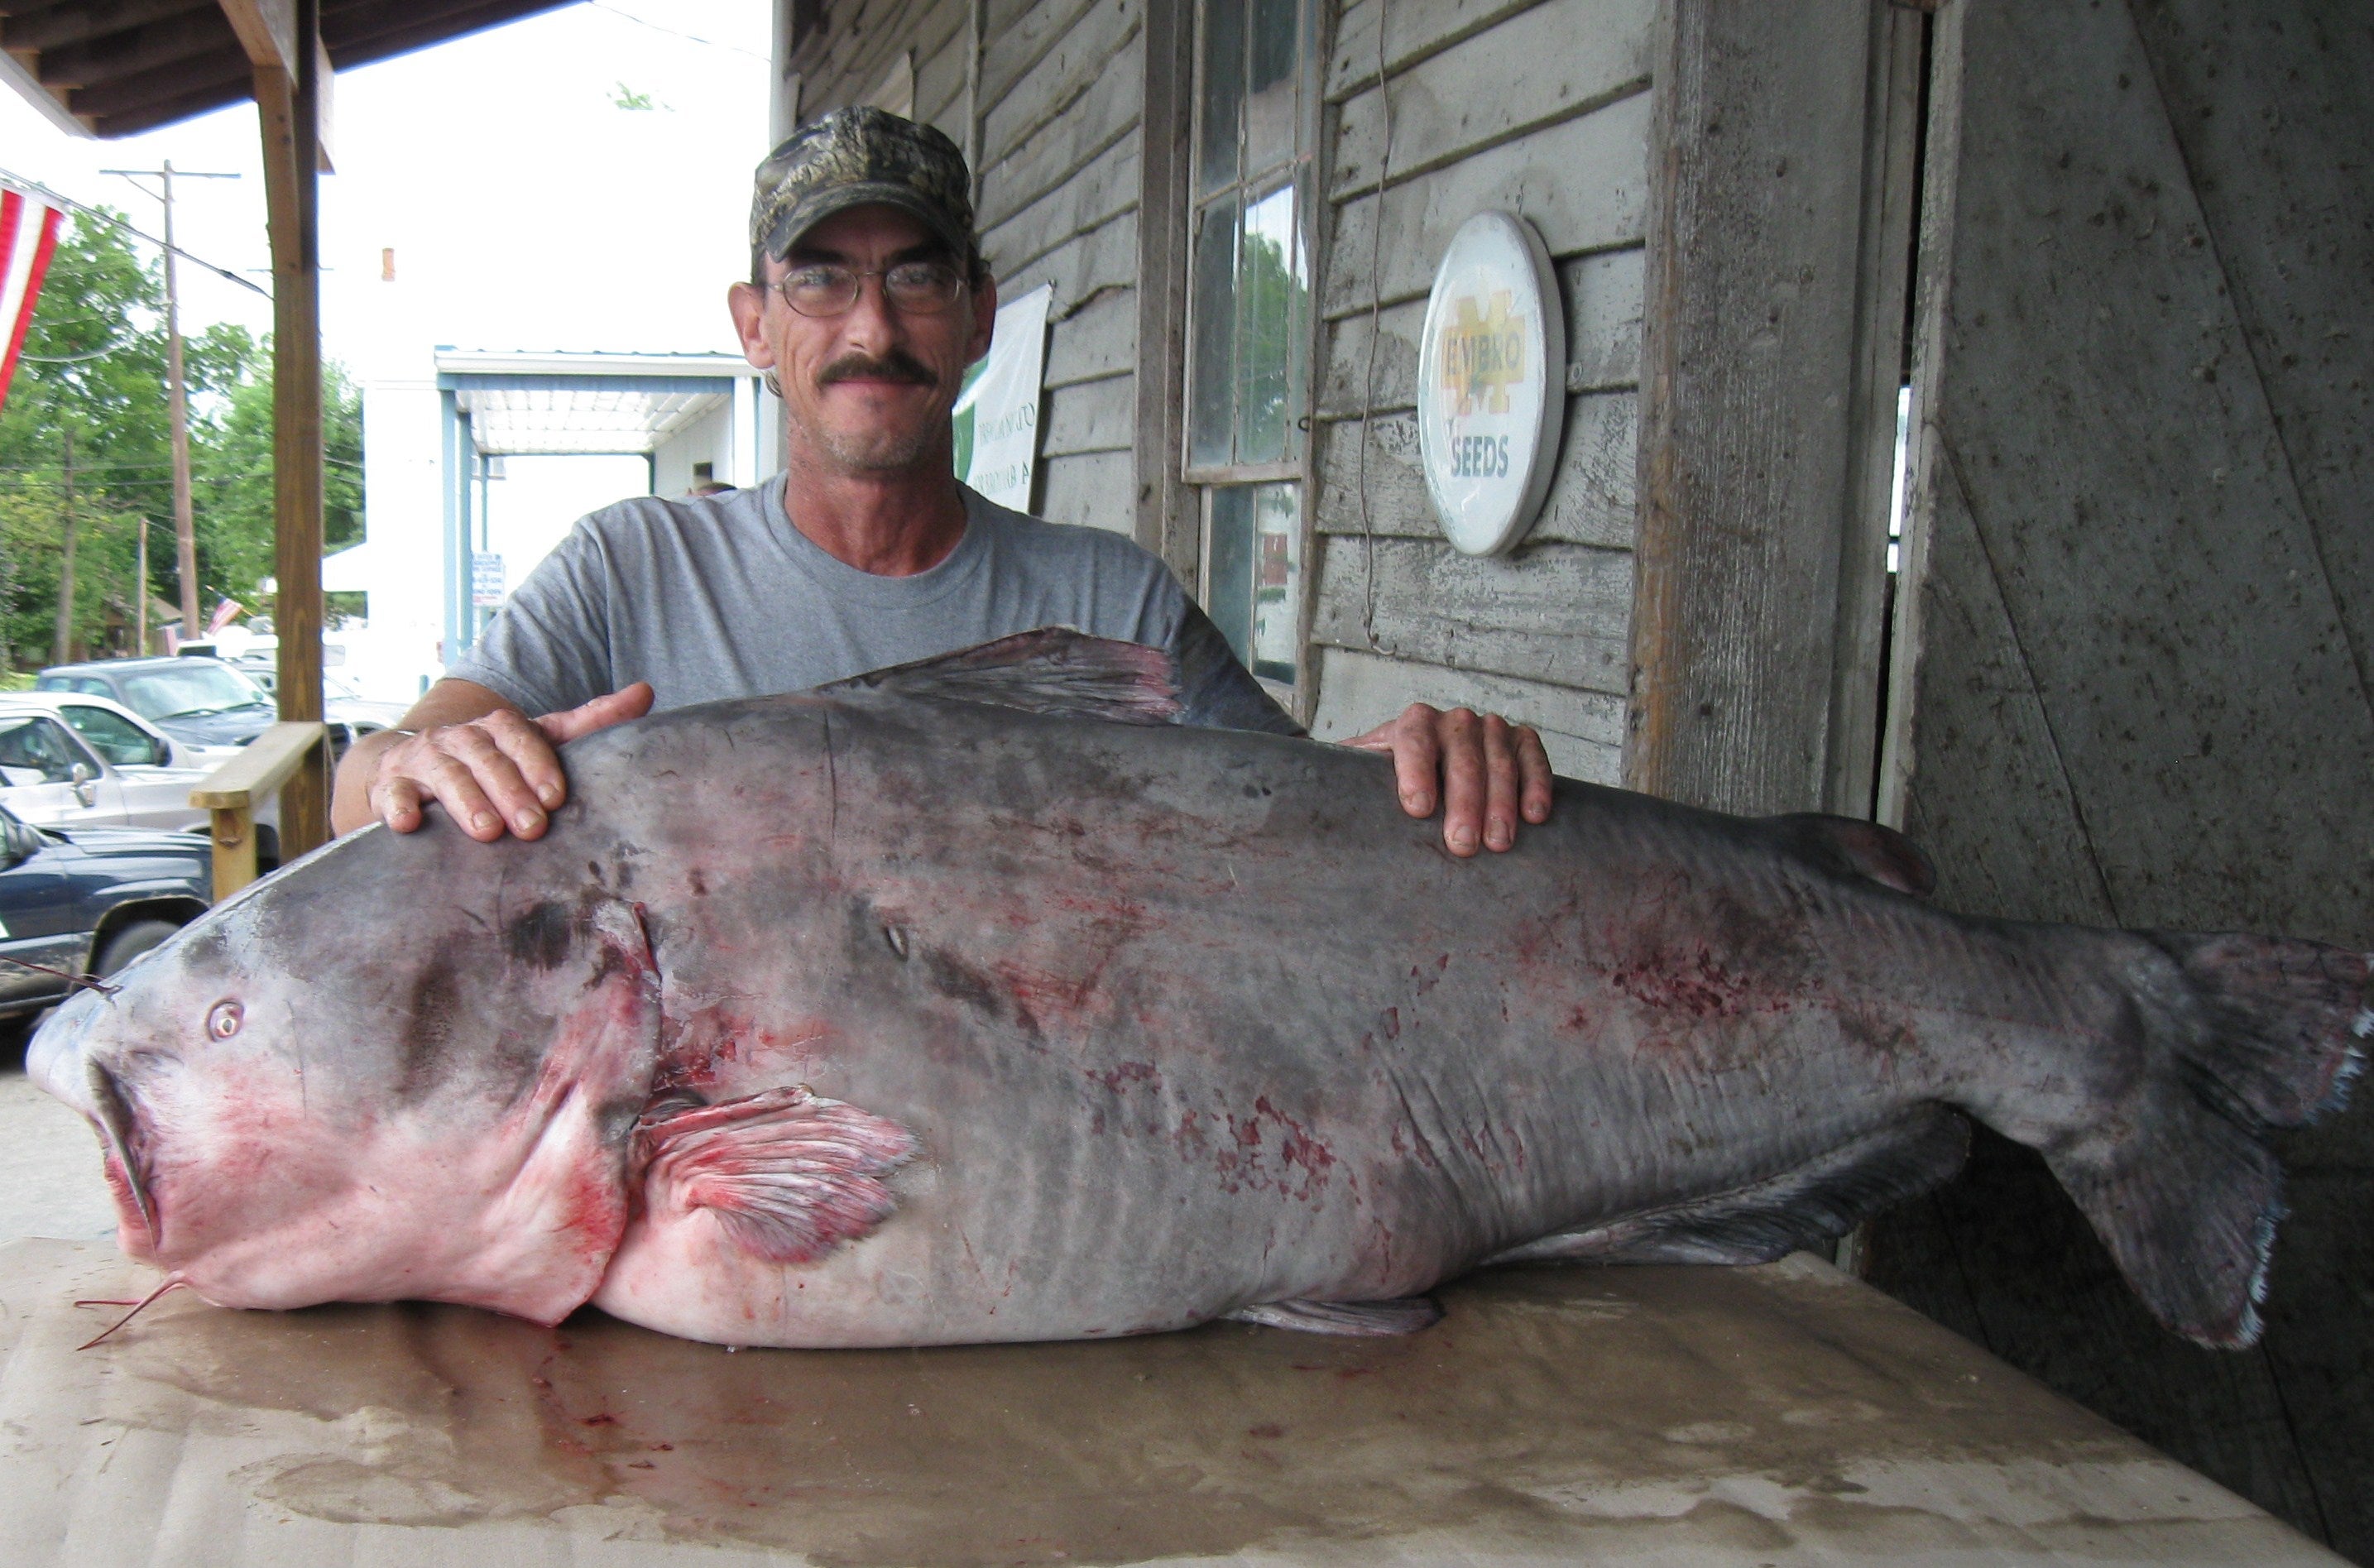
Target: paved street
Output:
[{"x": 50, "y": 1183}]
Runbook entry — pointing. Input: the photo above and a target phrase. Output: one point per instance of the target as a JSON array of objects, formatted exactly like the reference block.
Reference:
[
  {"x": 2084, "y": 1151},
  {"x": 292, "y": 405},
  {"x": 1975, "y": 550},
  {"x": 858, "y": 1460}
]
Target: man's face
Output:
[{"x": 870, "y": 390}]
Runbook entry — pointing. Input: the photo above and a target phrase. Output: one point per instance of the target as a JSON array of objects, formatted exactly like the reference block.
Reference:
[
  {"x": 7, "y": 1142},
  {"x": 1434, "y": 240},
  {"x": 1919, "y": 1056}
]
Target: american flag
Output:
[{"x": 28, "y": 232}]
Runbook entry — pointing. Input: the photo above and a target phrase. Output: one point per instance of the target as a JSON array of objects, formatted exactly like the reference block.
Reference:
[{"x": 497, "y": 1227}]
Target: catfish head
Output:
[{"x": 300, "y": 1105}]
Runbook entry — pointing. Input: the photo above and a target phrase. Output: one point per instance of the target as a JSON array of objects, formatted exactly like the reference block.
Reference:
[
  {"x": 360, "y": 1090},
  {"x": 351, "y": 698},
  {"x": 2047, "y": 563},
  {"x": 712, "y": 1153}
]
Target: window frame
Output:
[{"x": 1314, "y": 119}]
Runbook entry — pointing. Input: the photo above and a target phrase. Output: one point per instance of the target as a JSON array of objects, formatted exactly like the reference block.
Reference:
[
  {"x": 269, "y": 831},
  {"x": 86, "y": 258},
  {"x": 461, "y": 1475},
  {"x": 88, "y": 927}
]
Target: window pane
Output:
[
  {"x": 112, "y": 735},
  {"x": 1277, "y": 571},
  {"x": 1224, "y": 90},
  {"x": 1231, "y": 572},
  {"x": 1255, "y": 573},
  {"x": 1211, "y": 417},
  {"x": 1272, "y": 287},
  {"x": 1272, "y": 104}
]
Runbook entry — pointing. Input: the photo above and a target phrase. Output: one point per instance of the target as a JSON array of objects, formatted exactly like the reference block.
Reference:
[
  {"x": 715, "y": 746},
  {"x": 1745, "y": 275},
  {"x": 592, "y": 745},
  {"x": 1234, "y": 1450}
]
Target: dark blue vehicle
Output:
[{"x": 89, "y": 900}]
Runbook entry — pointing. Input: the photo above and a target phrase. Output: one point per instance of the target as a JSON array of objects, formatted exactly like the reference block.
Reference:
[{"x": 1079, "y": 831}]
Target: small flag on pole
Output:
[{"x": 28, "y": 232}]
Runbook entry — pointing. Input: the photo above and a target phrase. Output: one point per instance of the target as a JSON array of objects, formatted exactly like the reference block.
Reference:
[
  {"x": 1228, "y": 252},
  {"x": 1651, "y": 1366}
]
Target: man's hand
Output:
[
  {"x": 1488, "y": 772},
  {"x": 497, "y": 771}
]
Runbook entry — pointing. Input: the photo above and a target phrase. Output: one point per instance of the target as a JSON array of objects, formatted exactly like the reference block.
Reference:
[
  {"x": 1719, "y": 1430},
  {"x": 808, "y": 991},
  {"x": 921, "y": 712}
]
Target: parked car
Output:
[
  {"x": 341, "y": 703},
  {"x": 88, "y": 900},
  {"x": 53, "y": 777},
  {"x": 202, "y": 701},
  {"x": 120, "y": 735}
]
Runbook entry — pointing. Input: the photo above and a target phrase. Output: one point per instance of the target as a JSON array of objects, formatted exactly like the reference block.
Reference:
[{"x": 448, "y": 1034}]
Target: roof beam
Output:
[
  {"x": 80, "y": 21},
  {"x": 266, "y": 29},
  {"x": 160, "y": 43},
  {"x": 130, "y": 94}
]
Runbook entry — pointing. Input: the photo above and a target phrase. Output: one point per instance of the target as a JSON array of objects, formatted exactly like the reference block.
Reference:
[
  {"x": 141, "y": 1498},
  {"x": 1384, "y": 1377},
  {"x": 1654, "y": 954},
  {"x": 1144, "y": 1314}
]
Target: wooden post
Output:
[
  {"x": 1779, "y": 240},
  {"x": 287, "y": 102},
  {"x": 1167, "y": 520},
  {"x": 64, "y": 651}
]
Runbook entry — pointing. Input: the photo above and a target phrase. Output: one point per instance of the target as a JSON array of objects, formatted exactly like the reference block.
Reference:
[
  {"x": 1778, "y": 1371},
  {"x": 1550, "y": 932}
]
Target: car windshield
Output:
[{"x": 201, "y": 685}]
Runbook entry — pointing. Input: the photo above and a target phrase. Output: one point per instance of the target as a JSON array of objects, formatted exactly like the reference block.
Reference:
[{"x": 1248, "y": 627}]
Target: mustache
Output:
[{"x": 898, "y": 365}]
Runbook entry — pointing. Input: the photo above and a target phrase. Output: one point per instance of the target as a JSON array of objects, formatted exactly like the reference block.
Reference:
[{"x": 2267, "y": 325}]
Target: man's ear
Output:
[
  {"x": 747, "y": 305},
  {"x": 984, "y": 317}
]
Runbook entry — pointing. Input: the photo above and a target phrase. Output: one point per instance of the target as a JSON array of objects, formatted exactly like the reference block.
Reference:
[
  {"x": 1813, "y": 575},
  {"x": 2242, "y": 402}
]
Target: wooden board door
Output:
[{"x": 2134, "y": 614}]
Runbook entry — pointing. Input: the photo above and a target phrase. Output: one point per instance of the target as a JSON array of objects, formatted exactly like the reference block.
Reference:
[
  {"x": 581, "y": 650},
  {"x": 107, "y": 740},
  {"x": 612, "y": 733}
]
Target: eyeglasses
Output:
[{"x": 829, "y": 288}]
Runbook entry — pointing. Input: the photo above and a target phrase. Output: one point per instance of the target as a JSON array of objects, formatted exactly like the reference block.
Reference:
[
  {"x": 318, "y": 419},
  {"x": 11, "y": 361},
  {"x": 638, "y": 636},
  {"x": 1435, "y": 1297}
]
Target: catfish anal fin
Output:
[
  {"x": 1367, "y": 1320},
  {"x": 788, "y": 1175},
  {"x": 1052, "y": 670},
  {"x": 1811, "y": 1206}
]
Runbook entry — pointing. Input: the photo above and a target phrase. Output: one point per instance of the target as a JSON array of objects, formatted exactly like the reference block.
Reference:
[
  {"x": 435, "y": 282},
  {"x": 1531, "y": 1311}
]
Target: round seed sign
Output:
[{"x": 1488, "y": 413}]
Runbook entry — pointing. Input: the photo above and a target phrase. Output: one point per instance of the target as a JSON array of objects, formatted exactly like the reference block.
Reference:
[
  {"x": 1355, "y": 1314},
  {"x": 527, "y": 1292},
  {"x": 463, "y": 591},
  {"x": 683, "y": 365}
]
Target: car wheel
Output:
[{"x": 131, "y": 942}]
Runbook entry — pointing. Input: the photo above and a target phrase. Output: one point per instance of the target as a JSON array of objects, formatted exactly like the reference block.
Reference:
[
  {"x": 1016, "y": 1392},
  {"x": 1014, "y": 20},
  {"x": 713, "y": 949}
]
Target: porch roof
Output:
[{"x": 116, "y": 69}]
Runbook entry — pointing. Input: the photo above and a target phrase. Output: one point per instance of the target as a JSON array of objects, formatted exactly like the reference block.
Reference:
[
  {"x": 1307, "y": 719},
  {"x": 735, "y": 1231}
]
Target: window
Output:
[
  {"x": 1248, "y": 436},
  {"x": 113, "y": 737},
  {"x": 39, "y": 751}
]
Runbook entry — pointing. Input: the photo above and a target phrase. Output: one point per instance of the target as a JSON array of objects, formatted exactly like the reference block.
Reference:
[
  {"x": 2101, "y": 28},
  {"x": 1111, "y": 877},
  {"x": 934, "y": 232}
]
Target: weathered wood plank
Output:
[
  {"x": 1560, "y": 59},
  {"x": 1015, "y": 45},
  {"x": 1104, "y": 258},
  {"x": 1601, "y": 295},
  {"x": 2269, "y": 103},
  {"x": 1758, "y": 329},
  {"x": 2108, "y": 467},
  {"x": 1064, "y": 146},
  {"x": 1414, "y": 30},
  {"x": 1590, "y": 497},
  {"x": 852, "y": 60},
  {"x": 1092, "y": 416},
  {"x": 1583, "y": 183},
  {"x": 1099, "y": 339},
  {"x": 1089, "y": 200},
  {"x": 1582, "y": 731},
  {"x": 2287, "y": 212},
  {"x": 1092, "y": 489},
  {"x": 940, "y": 82},
  {"x": 1549, "y": 612},
  {"x": 1061, "y": 80},
  {"x": 1168, "y": 520}
]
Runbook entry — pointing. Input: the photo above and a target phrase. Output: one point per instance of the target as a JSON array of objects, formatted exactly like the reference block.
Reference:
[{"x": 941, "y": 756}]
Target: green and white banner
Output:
[{"x": 997, "y": 412}]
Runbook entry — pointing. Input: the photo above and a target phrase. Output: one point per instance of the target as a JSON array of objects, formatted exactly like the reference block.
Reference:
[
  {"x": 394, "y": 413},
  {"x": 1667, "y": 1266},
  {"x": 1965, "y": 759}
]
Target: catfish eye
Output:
[{"x": 223, "y": 1021}]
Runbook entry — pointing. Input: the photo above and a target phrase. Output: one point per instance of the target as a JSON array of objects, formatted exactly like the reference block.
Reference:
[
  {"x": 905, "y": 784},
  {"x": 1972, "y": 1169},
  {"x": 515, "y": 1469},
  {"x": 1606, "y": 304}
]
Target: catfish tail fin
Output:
[{"x": 2243, "y": 1036}]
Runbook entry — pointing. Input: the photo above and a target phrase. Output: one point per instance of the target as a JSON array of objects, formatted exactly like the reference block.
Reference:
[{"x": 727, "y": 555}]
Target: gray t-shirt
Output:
[{"x": 720, "y": 596}]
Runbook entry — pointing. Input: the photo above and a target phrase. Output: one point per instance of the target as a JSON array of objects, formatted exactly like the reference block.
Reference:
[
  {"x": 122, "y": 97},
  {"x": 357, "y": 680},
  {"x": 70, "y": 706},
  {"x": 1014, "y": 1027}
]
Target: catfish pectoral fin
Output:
[{"x": 790, "y": 1176}]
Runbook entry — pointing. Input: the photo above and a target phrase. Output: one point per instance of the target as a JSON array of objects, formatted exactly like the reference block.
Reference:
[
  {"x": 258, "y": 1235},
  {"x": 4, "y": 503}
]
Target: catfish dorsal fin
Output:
[
  {"x": 789, "y": 1176},
  {"x": 1053, "y": 670},
  {"x": 1850, "y": 846}
]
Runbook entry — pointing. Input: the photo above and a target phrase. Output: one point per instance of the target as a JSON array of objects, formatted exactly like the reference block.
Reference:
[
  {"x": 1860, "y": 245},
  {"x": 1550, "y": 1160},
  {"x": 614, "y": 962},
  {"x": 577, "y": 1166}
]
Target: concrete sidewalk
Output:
[{"x": 50, "y": 1183}]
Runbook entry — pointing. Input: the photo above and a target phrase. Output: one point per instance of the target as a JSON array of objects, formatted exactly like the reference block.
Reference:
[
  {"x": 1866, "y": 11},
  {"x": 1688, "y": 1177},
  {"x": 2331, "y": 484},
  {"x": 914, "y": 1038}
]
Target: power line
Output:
[{"x": 125, "y": 224}]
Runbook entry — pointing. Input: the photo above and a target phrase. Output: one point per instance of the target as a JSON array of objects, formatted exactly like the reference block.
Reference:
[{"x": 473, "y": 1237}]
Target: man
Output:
[{"x": 866, "y": 302}]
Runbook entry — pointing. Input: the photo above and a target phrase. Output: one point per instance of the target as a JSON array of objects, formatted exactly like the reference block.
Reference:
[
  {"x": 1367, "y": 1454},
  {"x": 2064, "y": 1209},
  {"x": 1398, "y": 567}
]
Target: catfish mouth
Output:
[{"x": 59, "y": 1061}]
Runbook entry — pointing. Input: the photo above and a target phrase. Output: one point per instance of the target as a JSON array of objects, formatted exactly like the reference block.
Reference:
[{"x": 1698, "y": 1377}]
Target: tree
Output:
[
  {"x": 232, "y": 462},
  {"x": 93, "y": 378}
]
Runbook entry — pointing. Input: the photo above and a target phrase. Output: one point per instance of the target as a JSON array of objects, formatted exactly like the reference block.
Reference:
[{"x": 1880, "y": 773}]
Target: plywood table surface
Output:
[{"x": 1780, "y": 1416}]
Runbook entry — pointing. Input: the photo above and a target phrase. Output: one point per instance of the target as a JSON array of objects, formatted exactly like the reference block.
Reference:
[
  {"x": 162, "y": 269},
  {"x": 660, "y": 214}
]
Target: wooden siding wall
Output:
[
  {"x": 2137, "y": 599},
  {"x": 1052, "y": 105},
  {"x": 1541, "y": 108}
]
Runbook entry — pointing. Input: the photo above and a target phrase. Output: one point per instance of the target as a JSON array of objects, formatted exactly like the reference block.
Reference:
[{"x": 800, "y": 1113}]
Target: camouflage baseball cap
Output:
[{"x": 849, "y": 156}]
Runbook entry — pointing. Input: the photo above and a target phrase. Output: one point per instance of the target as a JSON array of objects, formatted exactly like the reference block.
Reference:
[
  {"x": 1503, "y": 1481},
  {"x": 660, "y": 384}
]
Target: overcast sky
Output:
[{"x": 526, "y": 206}]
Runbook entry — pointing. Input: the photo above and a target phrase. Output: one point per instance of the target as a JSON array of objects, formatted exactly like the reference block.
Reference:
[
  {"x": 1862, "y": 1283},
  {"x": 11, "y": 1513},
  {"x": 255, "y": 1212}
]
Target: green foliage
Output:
[{"x": 92, "y": 385}]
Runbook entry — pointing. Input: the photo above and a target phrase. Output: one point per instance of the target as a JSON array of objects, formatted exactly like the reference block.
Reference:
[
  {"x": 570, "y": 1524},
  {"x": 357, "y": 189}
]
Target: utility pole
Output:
[
  {"x": 140, "y": 591},
  {"x": 61, "y": 652},
  {"x": 177, "y": 397}
]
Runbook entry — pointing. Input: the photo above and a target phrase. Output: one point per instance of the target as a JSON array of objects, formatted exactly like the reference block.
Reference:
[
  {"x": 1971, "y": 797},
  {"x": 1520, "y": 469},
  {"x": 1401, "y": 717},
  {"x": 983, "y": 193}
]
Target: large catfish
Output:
[{"x": 932, "y": 1008}]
